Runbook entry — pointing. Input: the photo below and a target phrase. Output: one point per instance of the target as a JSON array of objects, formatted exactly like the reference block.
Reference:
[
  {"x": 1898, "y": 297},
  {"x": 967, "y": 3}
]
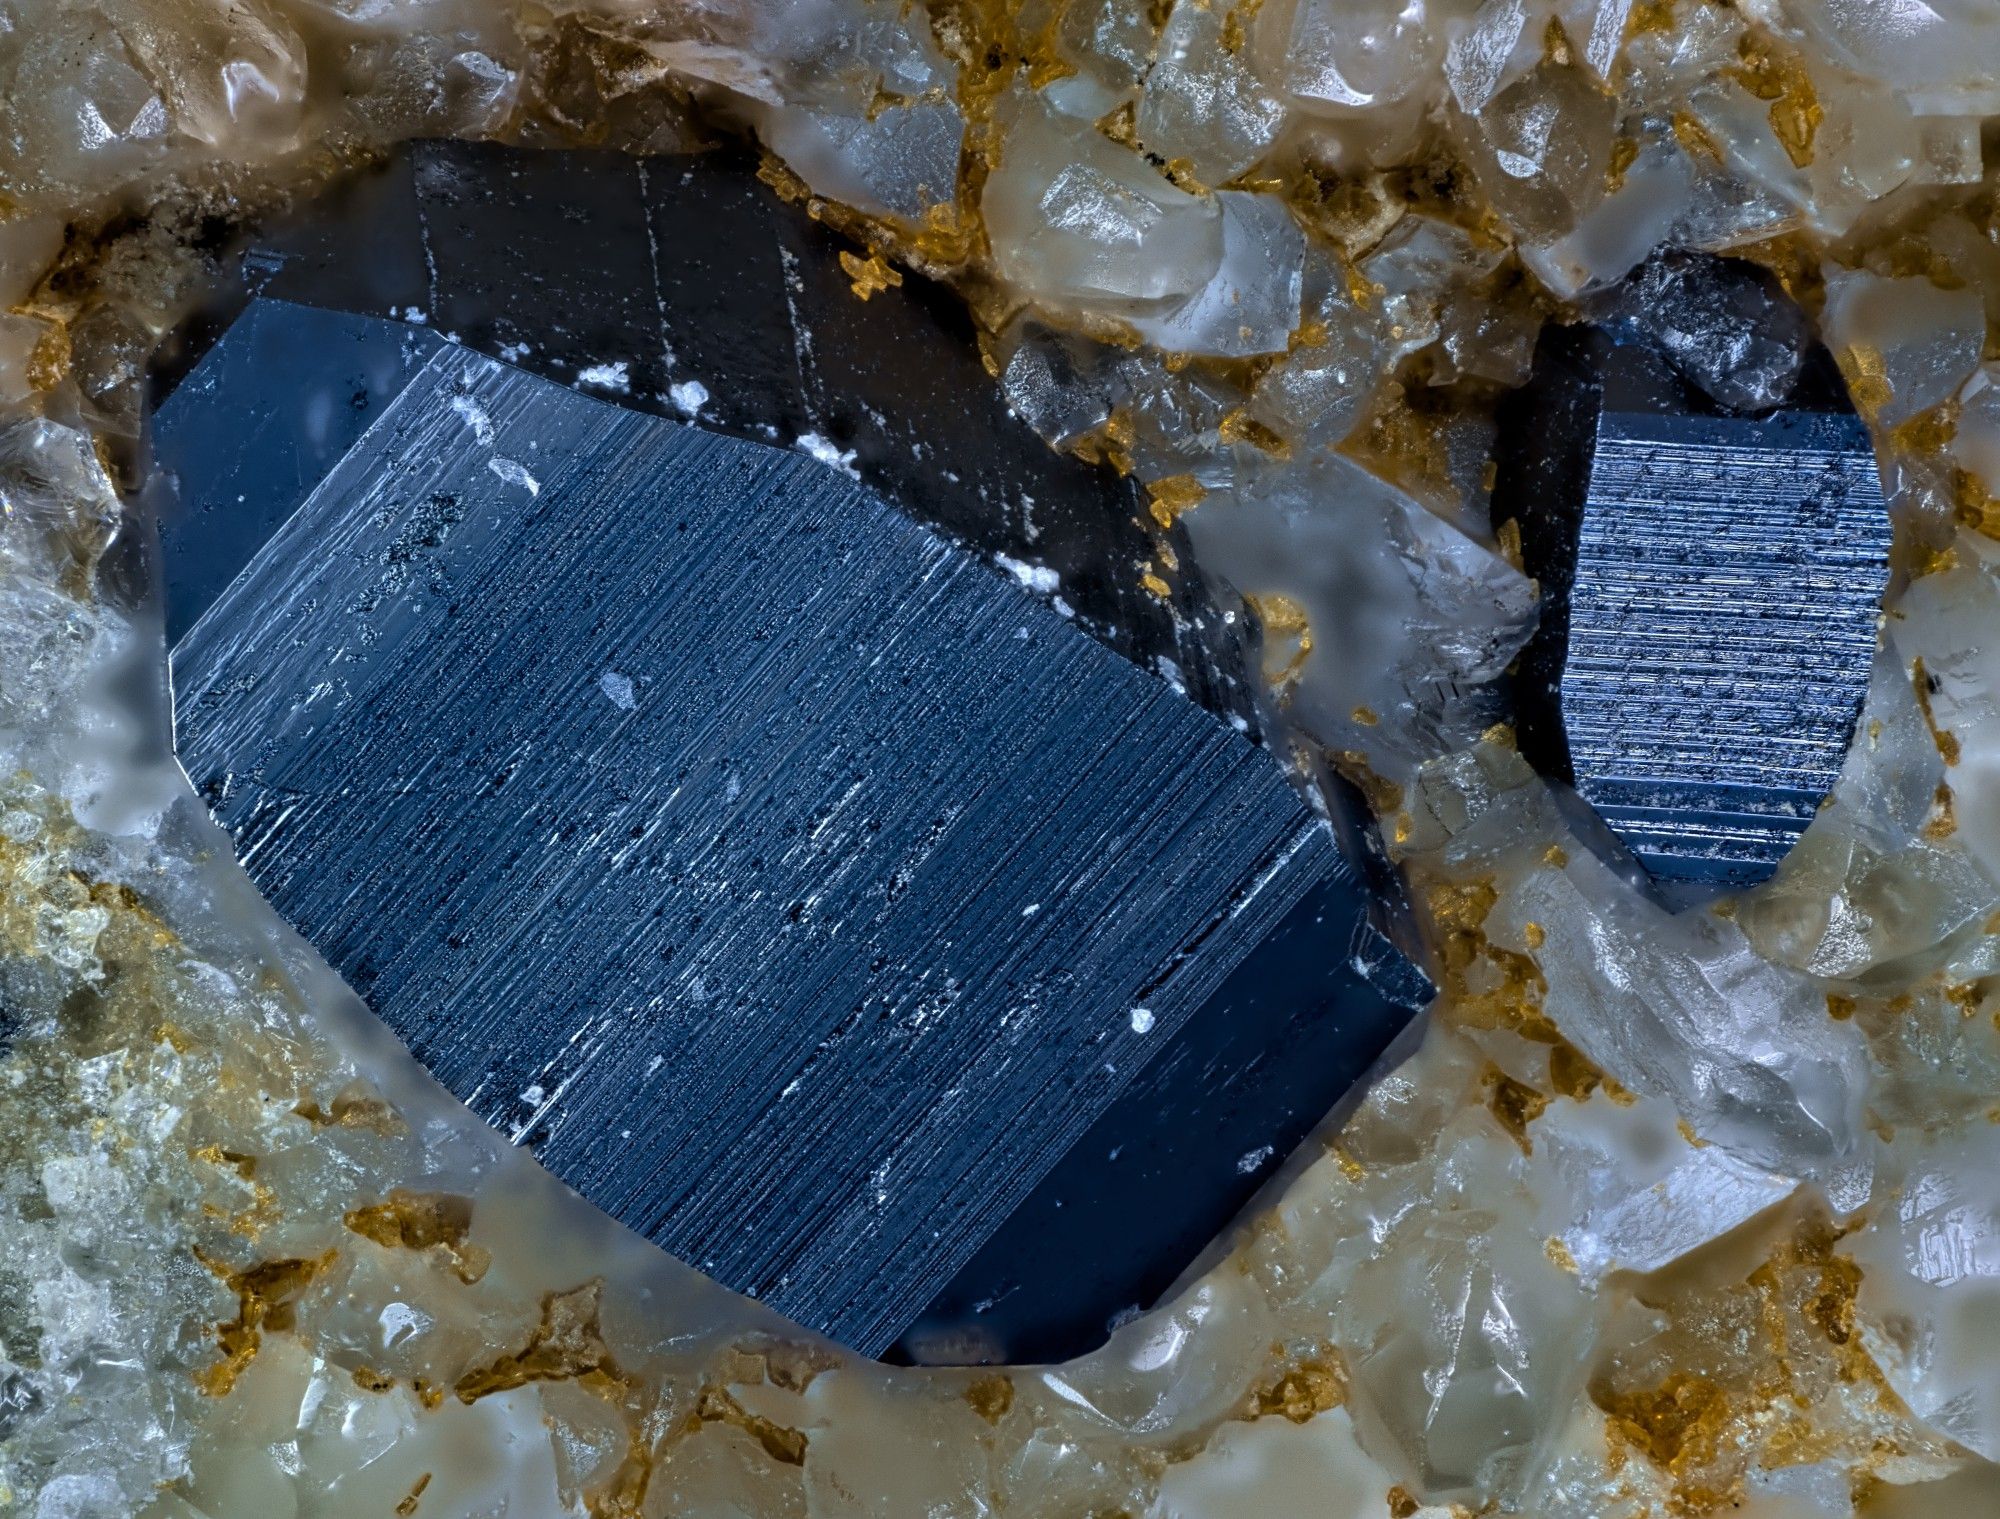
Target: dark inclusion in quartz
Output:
[{"x": 1702, "y": 509}]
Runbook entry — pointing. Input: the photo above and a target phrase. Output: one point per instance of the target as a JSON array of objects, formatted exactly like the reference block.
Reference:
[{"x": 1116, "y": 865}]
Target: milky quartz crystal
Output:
[{"x": 1656, "y": 1213}]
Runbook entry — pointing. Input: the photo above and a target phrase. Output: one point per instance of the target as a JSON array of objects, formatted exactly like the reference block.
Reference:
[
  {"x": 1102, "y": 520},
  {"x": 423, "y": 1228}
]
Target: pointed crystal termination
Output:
[
  {"x": 806, "y": 895},
  {"x": 1702, "y": 509}
]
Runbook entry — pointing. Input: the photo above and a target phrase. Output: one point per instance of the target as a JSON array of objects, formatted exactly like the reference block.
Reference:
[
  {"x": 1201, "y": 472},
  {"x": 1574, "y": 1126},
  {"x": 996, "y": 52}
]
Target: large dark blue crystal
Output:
[{"x": 807, "y": 894}]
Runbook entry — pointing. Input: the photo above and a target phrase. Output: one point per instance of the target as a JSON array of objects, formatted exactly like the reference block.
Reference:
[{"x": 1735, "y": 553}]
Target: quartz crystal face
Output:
[{"x": 1672, "y": 1202}]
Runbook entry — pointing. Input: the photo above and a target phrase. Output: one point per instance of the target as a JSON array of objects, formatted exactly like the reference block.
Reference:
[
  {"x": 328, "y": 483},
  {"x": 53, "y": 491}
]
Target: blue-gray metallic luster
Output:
[
  {"x": 783, "y": 874},
  {"x": 1702, "y": 509},
  {"x": 1721, "y": 629}
]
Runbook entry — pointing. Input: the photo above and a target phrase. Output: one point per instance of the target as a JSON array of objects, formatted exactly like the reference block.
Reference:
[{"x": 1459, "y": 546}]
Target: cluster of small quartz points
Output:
[{"x": 1666, "y": 1214}]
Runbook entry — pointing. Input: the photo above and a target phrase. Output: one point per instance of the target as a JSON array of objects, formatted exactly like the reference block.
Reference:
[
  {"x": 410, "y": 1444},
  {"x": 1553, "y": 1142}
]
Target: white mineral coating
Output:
[{"x": 1086, "y": 223}]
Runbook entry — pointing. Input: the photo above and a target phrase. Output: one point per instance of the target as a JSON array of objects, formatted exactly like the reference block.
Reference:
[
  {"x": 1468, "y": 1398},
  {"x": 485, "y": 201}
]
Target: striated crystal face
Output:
[
  {"x": 1661, "y": 1210},
  {"x": 1702, "y": 512}
]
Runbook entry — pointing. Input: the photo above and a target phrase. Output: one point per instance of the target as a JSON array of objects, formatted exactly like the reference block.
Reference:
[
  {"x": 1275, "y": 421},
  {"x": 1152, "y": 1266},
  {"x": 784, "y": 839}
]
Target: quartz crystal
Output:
[
  {"x": 1659, "y": 1212},
  {"x": 1096, "y": 227}
]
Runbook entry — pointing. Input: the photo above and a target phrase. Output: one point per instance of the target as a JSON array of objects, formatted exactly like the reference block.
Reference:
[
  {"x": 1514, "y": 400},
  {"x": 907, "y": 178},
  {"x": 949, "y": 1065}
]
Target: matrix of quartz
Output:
[{"x": 1665, "y": 1214}]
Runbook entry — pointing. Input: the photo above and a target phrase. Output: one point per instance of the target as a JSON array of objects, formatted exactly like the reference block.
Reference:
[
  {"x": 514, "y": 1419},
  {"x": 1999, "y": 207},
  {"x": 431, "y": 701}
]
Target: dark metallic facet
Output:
[
  {"x": 694, "y": 272},
  {"x": 239, "y": 471},
  {"x": 786, "y": 877},
  {"x": 1721, "y": 631},
  {"x": 1711, "y": 577}
]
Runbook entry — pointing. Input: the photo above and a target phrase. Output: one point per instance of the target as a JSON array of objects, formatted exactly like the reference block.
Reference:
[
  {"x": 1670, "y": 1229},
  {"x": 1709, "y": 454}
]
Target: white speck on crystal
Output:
[
  {"x": 614, "y": 376},
  {"x": 618, "y": 689},
  {"x": 399, "y": 1321},
  {"x": 1038, "y": 578},
  {"x": 1252, "y": 1161},
  {"x": 476, "y": 417},
  {"x": 515, "y": 473},
  {"x": 824, "y": 451}
]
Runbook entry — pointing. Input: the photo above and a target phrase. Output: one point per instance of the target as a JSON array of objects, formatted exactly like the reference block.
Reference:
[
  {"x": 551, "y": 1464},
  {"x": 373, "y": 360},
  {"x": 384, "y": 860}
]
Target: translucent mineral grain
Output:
[{"x": 1091, "y": 225}]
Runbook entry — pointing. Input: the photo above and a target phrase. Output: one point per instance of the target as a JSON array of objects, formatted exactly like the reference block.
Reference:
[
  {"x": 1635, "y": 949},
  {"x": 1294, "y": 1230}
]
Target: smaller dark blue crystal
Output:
[{"x": 1712, "y": 568}]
